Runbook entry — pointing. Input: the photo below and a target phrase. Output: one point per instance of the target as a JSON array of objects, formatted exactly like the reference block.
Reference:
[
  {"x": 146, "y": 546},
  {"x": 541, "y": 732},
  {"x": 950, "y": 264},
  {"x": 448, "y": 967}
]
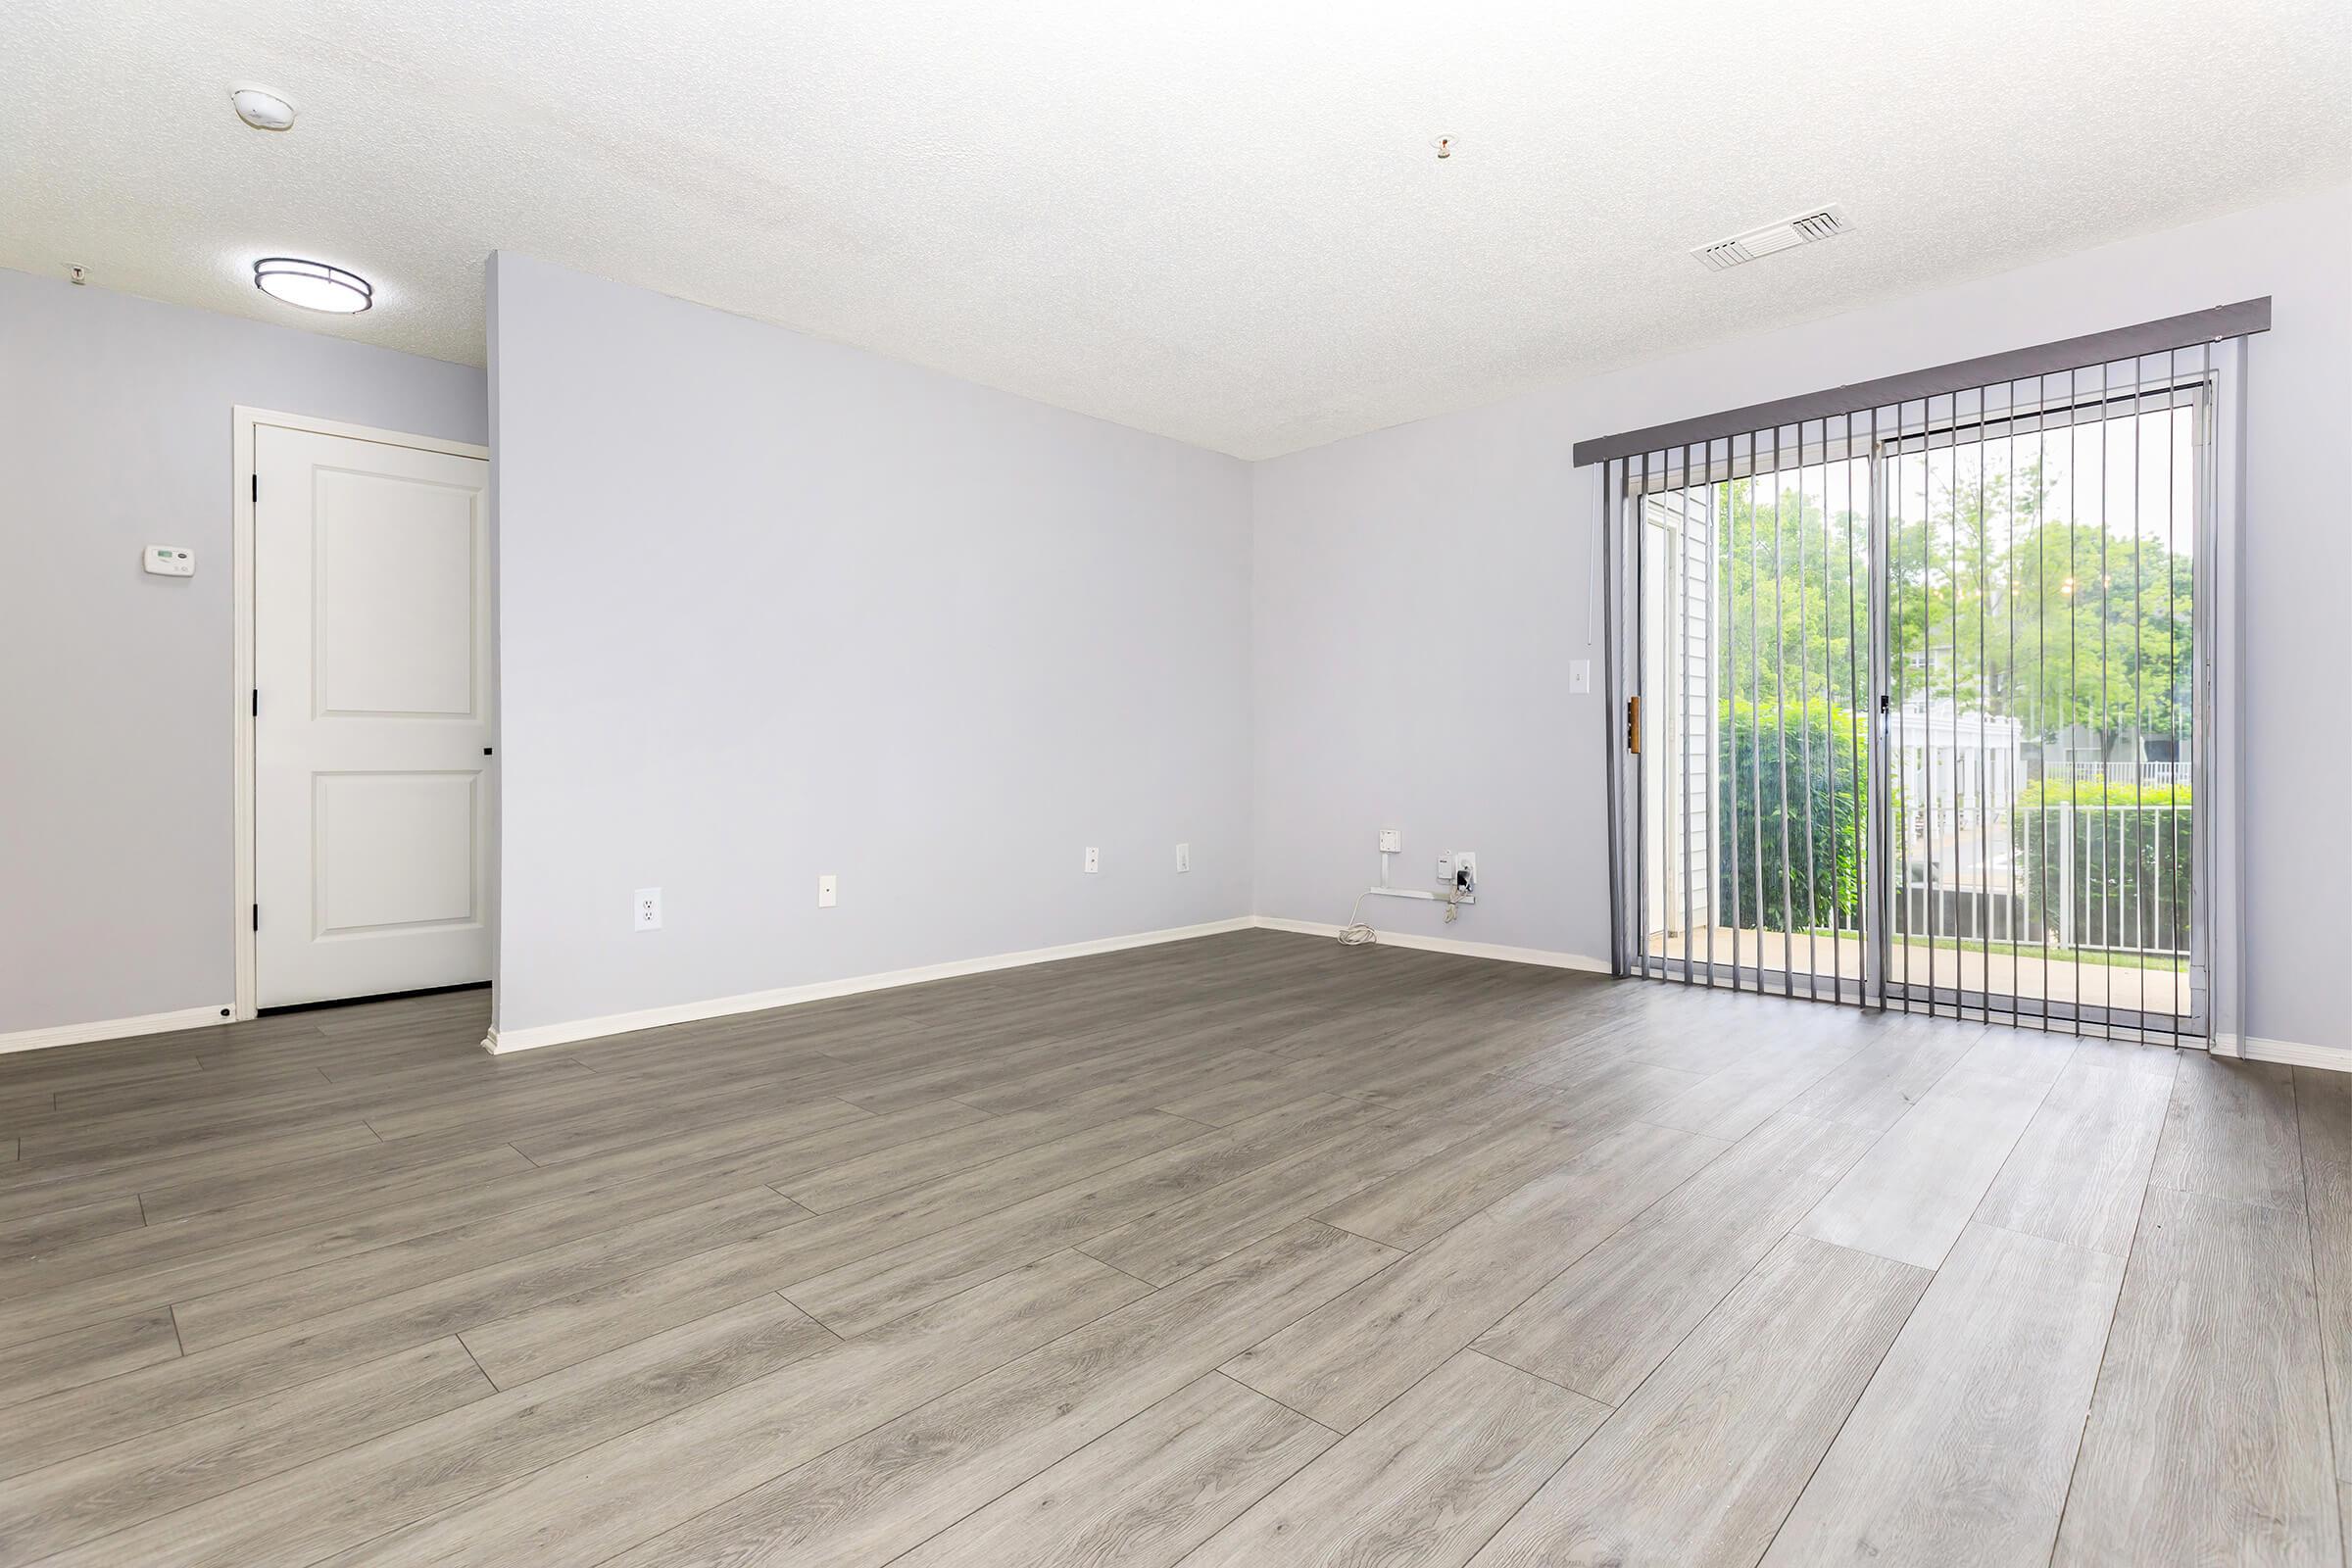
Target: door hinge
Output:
[
  {"x": 257, "y": 918},
  {"x": 256, "y": 701},
  {"x": 257, "y": 487},
  {"x": 1633, "y": 725}
]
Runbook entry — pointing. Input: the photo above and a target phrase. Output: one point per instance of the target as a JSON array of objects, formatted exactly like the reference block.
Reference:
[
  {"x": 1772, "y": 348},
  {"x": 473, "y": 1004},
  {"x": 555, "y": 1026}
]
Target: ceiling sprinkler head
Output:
[
  {"x": 261, "y": 109},
  {"x": 77, "y": 274},
  {"x": 1443, "y": 146}
]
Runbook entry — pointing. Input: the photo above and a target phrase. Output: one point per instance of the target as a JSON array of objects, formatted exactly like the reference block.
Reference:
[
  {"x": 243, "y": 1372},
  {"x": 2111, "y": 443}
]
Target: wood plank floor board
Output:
[
  {"x": 450, "y": 1233},
  {"x": 608, "y": 1235},
  {"x": 99, "y": 1493},
  {"x": 1426, "y": 1482},
  {"x": 1876, "y": 1086},
  {"x": 638, "y": 1483},
  {"x": 1740, "y": 1099},
  {"x": 1142, "y": 1494},
  {"x": 463, "y": 1303},
  {"x": 287, "y": 1300},
  {"x": 226, "y": 1084},
  {"x": 313, "y": 1185},
  {"x": 1416, "y": 1206},
  {"x": 2323, "y": 1108},
  {"x": 2231, "y": 1132},
  {"x": 166, "y": 1241},
  {"x": 162, "y": 1132},
  {"x": 616, "y": 1311},
  {"x": 906, "y": 1135},
  {"x": 2209, "y": 1440},
  {"x": 55, "y": 1072},
  {"x": 1611, "y": 1317},
  {"x": 1341, "y": 1363},
  {"x": 891, "y": 1489},
  {"x": 629, "y": 1126},
  {"x": 2078, "y": 1173},
  {"x": 32, "y": 1187},
  {"x": 878, "y": 1171},
  {"x": 86, "y": 1354},
  {"x": 1958, "y": 1454},
  {"x": 1243, "y": 1093},
  {"x": 1909, "y": 1197},
  {"x": 361, "y": 1492},
  {"x": 882, "y": 1285},
  {"x": 1707, "y": 1456},
  {"x": 1196, "y": 1231},
  {"x": 37, "y": 1235}
]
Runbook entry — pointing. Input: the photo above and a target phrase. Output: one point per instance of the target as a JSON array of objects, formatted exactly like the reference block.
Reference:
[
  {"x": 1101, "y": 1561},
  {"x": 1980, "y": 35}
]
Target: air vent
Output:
[{"x": 1814, "y": 223}]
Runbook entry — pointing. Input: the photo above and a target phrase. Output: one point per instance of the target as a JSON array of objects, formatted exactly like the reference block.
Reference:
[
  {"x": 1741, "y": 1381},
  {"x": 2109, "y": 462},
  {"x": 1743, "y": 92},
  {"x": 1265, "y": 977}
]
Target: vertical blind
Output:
[{"x": 1916, "y": 679}]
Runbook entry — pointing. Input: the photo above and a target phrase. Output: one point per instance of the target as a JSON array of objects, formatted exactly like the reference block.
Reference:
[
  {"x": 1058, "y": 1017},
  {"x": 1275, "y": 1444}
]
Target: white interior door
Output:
[{"x": 371, "y": 723}]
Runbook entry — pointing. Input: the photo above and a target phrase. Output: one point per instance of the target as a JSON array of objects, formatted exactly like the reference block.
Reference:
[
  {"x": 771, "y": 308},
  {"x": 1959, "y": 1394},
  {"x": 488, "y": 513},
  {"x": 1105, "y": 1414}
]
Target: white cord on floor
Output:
[{"x": 1356, "y": 934}]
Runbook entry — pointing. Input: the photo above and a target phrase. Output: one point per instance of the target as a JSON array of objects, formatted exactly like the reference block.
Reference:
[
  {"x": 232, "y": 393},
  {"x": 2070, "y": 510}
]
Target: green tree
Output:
[{"x": 1995, "y": 605}]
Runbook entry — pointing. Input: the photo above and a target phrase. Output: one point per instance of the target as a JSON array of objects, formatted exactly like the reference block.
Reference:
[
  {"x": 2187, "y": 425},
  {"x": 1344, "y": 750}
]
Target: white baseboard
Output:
[
  {"x": 1468, "y": 949},
  {"x": 80, "y": 1034},
  {"x": 2296, "y": 1053},
  {"x": 500, "y": 1042}
]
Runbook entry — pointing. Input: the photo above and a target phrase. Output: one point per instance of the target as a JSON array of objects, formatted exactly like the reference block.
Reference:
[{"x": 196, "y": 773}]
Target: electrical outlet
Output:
[
  {"x": 1465, "y": 873},
  {"x": 1392, "y": 841},
  {"x": 1446, "y": 870},
  {"x": 645, "y": 909},
  {"x": 1093, "y": 860},
  {"x": 827, "y": 887},
  {"x": 1184, "y": 859}
]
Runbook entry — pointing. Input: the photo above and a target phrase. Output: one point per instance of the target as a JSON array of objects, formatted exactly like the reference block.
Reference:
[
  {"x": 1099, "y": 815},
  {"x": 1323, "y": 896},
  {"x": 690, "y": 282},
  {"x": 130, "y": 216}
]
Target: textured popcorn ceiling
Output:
[{"x": 1218, "y": 221}]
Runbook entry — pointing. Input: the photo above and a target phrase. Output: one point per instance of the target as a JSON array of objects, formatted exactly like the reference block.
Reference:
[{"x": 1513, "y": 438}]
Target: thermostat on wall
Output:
[{"x": 170, "y": 560}]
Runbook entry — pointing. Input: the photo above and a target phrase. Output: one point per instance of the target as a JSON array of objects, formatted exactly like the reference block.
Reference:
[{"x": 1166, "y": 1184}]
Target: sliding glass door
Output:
[
  {"x": 1914, "y": 702},
  {"x": 1755, "y": 655}
]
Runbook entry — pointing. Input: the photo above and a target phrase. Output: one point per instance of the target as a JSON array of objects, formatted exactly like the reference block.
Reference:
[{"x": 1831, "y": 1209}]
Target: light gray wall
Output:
[
  {"x": 1378, "y": 702},
  {"x": 116, "y": 773},
  {"x": 772, "y": 606}
]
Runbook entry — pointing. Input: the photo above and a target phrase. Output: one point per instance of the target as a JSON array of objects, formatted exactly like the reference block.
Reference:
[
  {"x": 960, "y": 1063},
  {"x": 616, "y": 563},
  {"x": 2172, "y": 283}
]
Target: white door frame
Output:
[{"x": 245, "y": 422}]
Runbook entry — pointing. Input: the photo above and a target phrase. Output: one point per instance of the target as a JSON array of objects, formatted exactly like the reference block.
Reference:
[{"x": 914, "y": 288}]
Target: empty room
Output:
[{"x": 1029, "y": 783}]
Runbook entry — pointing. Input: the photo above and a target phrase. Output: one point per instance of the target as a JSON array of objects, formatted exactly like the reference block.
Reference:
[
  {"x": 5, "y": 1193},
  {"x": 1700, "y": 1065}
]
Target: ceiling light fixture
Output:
[
  {"x": 261, "y": 109},
  {"x": 312, "y": 285}
]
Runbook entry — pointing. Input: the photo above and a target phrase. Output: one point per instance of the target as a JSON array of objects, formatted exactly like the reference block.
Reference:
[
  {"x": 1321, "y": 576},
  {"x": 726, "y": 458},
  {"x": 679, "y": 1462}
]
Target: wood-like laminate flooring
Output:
[{"x": 1248, "y": 1250}]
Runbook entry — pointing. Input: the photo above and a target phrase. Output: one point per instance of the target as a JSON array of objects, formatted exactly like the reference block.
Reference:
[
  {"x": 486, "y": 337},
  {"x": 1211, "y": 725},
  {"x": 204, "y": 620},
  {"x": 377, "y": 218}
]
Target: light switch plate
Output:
[
  {"x": 645, "y": 909},
  {"x": 1580, "y": 676},
  {"x": 828, "y": 887},
  {"x": 1184, "y": 859}
]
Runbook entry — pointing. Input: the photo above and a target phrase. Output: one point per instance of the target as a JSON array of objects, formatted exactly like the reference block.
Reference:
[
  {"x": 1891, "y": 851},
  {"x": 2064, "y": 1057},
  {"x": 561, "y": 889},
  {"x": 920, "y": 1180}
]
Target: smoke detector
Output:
[
  {"x": 261, "y": 109},
  {"x": 1826, "y": 221}
]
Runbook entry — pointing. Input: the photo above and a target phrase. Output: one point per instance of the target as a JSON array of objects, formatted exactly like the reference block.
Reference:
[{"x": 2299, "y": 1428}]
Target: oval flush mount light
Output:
[
  {"x": 261, "y": 109},
  {"x": 312, "y": 285}
]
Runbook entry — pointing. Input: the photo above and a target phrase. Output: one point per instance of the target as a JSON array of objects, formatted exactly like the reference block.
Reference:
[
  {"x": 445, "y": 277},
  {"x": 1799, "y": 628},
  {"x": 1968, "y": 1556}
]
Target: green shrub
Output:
[
  {"x": 1757, "y": 746},
  {"x": 2096, "y": 792},
  {"x": 2132, "y": 845}
]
